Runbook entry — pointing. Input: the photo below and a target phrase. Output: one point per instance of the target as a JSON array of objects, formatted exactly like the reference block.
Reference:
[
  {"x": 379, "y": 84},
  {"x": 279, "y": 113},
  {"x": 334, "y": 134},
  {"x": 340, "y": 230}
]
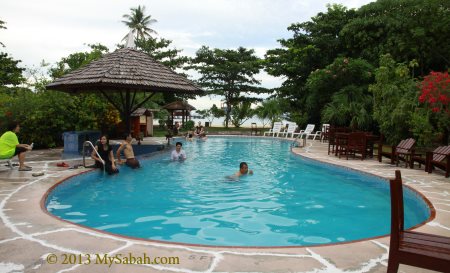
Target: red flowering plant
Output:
[{"x": 435, "y": 92}]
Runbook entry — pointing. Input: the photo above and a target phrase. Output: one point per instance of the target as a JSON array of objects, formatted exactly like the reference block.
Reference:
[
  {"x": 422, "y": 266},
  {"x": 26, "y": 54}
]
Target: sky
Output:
[{"x": 52, "y": 29}]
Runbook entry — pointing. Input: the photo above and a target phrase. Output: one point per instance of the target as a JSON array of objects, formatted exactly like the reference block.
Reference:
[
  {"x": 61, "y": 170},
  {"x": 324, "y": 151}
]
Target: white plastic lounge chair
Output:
[
  {"x": 290, "y": 130},
  {"x": 271, "y": 130},
  {"x": 275, "y": 130},
  {"x": 309, "y": 132}
]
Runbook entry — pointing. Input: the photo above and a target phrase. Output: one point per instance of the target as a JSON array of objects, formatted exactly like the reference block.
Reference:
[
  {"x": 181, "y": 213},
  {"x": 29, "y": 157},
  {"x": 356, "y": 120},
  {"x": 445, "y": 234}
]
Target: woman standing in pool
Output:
[{"x": 105, "y": 151}]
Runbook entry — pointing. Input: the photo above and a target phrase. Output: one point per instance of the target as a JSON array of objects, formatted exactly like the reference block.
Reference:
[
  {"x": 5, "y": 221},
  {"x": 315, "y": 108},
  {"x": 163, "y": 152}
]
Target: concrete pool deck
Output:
[{"x": 29, "y": 236}]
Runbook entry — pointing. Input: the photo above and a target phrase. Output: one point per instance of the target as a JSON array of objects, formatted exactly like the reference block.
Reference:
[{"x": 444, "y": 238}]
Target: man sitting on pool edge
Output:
[
  {"x": 127, "y": 148},
  {"x": 243, "y": 170}
]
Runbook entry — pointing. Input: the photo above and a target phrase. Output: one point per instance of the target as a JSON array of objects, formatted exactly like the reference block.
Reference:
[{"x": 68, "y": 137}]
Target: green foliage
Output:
[
  {"x": 406, "y": 29},
  {"x": 189, "y": 125},
  {"x": 270, "y": 109},
  {"x": 45, "y": 115},
  {"x": 10, "y": 72},
  {"x": 395, "y": 99},
  {"x": 351, "y": 106},
  {"x": 422, "y": 129},
  {"x": 77, "y": 60},
  {"x": 314, "y": 45},
  {"x": 228, "y": 73},
  {"x": 340, "y": 91},
  {"x": 241, "y": 112},
  {"x": 217, "y": 112},
  {"x": 211, "y": 113},
  {"x": 159, "y": 50}
]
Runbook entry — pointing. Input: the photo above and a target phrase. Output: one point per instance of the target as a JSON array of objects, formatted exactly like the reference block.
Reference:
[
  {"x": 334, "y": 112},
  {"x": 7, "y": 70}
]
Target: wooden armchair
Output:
[
  {"x": 410, "y": 247},
  {"x": 406, "y": 152},
  {"x": 403, "y": 151},
  {"x": 440, "y": 158}
]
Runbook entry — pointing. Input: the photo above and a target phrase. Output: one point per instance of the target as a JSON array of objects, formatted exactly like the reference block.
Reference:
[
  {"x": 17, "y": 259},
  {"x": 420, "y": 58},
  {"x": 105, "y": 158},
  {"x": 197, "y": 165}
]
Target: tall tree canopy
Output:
[
  {"x": 159, "y": 49},
  {"x": 405, "y": 29},
  {"x": 228, "y": 73},
  {"x": 77, "y": 60},
  {"x": 10, "y": 72},
  {"x": 314, "y": 45},
  {"x": 394, "y": 99},
  {"x": 139, "y": 22}
]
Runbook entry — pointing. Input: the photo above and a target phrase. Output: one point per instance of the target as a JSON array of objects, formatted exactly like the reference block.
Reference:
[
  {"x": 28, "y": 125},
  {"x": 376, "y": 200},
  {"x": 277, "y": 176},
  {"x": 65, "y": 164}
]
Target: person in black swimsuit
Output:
[{"x": 105, "y": 151}]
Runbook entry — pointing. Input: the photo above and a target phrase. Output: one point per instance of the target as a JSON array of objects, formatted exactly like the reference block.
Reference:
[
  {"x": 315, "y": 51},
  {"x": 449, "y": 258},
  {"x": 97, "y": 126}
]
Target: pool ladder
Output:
[{"x": 87, "y": 144}]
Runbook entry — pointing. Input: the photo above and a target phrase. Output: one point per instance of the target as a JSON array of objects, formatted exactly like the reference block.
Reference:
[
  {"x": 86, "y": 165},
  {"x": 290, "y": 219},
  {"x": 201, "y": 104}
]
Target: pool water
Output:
[{"x": 289, "y": 201}]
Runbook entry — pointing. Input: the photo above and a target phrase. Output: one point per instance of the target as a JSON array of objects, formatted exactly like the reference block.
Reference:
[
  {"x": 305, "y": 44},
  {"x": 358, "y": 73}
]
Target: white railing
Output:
[{"x": 88, "y": 143}]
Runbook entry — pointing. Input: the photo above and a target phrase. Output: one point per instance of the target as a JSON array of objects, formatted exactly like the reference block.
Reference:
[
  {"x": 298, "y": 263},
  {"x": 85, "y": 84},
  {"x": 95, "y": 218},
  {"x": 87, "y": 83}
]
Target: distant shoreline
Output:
[{"x": 218, "y": 122}]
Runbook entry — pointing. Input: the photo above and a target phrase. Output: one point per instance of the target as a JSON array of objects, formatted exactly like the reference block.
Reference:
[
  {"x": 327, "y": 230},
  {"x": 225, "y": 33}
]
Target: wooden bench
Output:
[
  {"x": 403, "y": 151},
  {"x": 439, "y": 158},
  {"x": 413, "y": 248}
]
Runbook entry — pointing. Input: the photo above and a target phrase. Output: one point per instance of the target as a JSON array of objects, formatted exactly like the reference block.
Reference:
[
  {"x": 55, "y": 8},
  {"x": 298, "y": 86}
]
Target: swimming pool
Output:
[{"x": 289, "y": 201}]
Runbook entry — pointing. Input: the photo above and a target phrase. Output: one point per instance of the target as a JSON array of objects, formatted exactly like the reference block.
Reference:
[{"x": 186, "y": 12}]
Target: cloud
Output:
[{"x": 52, "y": 29}]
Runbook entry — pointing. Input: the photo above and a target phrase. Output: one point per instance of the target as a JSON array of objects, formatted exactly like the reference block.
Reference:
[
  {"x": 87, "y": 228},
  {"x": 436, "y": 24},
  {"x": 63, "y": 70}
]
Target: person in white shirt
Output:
[{"x": 178, "y": 154}]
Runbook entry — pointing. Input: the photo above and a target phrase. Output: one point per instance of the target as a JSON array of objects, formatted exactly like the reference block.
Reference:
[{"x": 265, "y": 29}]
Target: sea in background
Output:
[{"x": 219, "y": 122}]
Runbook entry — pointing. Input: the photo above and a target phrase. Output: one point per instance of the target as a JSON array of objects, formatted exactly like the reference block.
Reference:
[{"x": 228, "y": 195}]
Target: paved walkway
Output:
[{"x": 31, "y": 240}]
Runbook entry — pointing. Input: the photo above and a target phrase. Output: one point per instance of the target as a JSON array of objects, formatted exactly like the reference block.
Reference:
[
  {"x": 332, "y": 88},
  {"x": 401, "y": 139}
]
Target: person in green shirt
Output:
[{"x": 10, "y": 146}]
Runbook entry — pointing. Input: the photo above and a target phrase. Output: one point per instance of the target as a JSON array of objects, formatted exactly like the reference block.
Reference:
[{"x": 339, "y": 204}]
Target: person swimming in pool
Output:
[{"x": 243, "y": 170}]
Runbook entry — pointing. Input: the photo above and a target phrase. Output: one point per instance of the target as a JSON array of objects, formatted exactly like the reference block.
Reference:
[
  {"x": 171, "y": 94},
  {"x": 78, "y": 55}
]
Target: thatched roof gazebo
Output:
[
  {"x": 182, "y": 106},
  {"x": 120, "y": 76}
]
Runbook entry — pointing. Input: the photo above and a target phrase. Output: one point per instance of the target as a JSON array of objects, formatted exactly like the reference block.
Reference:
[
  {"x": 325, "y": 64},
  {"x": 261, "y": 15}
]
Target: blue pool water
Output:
[{"x": 288, "y": 201}]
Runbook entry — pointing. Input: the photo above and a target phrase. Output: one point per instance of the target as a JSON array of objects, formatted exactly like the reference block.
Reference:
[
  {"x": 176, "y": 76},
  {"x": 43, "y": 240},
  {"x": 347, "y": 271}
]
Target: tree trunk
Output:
[{"x": 228, "y": 115}]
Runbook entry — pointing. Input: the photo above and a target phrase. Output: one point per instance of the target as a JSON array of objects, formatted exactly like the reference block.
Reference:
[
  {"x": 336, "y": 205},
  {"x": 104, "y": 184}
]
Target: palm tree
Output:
[
  {"x": 2, "y": 26},
  {"x": 269, "y": 109},
  {"x": 349, "y": 106},
  {"x": 139, "y": 23}
]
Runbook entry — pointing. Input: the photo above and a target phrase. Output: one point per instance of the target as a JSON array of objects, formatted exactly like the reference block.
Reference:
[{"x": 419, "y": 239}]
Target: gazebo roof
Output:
[
  {"x": 143, "y": 112},
  {"x": 179, "y": 105},
  {"x": 124, "y": 69}
]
